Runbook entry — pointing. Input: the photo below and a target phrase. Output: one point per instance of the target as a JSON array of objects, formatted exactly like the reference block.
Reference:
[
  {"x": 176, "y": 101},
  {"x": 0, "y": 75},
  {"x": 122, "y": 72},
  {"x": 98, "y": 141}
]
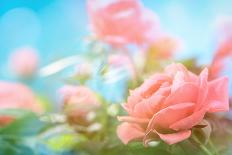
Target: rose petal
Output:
[
  {"x": 169, "y": 115},
  {"x": 186, "y": 93},
  {"x": 148, "y": 107},
  {"x": 172, "y": 69},
  {"x": 178, "y": 81},
  {"x": 127, "y": 132},
  {"x": 190, "y": 121},
  {"x": 133, "y": 99},
  {"x": 153, "y": 84},
  {"x": 175, "y": 137},
  {"x": 218, "y": 96},
  {"x": 203, "y": 89},
  {"x": 164, "y": 91}
]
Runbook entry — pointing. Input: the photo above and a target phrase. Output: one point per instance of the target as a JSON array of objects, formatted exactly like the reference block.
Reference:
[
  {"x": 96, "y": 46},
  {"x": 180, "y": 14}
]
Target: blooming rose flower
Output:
[
  {"x": 168, "y": 105},
  {"x": 14, "y": 96},
  {"x": 122, "y": 22},
  {"x": 79, "y": 101},
  {"x": 24, "y": 61}
]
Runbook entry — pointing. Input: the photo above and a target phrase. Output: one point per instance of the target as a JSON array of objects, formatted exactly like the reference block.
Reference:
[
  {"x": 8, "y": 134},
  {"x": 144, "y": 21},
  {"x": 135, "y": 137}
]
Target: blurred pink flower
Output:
[
  {"x": 163, "y": 47},
  {"x": 221, "y": 56},
  {"x": 79, "y": 100},
  {"x": 122, "y": 22},
  {"x": 24, "y": 61},
  {"x": 168, "y": 105},
  {"x": 16, "y": 96}
]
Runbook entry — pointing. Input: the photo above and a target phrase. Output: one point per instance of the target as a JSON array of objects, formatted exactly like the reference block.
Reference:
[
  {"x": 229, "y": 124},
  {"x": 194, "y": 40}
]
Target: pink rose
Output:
[
  {"x": 24, "y": 61},
  {"x": 16, "y": 96},
  {"x": 168, "y": 105},
  {"x": 79, "y": 101},
  {"x": 122, "y": 22}
]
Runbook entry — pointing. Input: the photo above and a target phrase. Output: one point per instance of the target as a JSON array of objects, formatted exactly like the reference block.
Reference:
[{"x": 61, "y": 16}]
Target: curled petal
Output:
[
  {"x": 153, "y": 84},
  {"x": 175, "y": 137},
  {"x": 185, "y": 93},
  {"x": 127, "y": 132},
  {"x": 190, "y": 121},
  {"x": 169, "y": 115}
]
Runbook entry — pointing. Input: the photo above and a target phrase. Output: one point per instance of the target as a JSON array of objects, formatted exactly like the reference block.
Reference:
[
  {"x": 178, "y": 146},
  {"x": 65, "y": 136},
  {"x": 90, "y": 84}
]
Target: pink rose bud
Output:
[
  {"x": 79, "y": 102},
  {"x": 24, "y": 61},
  {"x": 168, "y": 105},
  {"x": 122, "y": 22},
  {"x": 16, "y": 96}
]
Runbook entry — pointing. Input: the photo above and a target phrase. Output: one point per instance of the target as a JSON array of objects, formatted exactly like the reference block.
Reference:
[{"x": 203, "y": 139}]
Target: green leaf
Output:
[
  {"x": 10, "y": 148},
  {"x": 14, "y": 112},
  {"x": 27, "y": 125}
]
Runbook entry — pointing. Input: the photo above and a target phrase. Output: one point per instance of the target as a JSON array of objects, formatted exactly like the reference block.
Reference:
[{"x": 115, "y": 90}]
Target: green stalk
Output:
[{"x": 202, "y": 146}]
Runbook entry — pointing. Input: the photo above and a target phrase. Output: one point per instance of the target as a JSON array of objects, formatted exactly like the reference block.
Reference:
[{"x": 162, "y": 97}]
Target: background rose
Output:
[
  {"x": 122, "y": 22},
  {"x": 24, "y": 61},
  {"x": 168, "y": 105},
  {"x": 221, "y": 58},
  {"x": 14, "y": 96},
  {"x": 79, "y": 101}
]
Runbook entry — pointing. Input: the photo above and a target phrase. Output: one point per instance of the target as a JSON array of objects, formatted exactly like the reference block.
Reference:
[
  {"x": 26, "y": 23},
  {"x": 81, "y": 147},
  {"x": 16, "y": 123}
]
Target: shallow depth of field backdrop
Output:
[
  {"x": 55, "y": 27},
  {"x": 59, "y": 30}
]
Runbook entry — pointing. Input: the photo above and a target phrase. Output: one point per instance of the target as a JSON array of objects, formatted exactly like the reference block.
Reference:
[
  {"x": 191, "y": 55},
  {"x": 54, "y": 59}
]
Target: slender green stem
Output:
[
  {"x": 205, "y": 150},
  {"x": 202, "y": 146},
  {"x": 213, "y": 147}
]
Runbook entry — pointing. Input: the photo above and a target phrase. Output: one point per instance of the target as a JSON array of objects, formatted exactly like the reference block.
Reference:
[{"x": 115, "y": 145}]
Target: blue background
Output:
[{"x": 56, "y": 28}]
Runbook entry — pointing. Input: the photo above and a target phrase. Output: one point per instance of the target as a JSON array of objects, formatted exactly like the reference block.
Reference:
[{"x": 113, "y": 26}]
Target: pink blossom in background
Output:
[
  {"x": 164, "y": 47},
  {"x": 24, "y": 61},
  {"x": 16, "y": 96},
  {"x": 122, "y": 22},
  {"x": 221, "y": 56},
  {"x": 168, "y": 105},
  {"x": 79, "y": 100}
]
